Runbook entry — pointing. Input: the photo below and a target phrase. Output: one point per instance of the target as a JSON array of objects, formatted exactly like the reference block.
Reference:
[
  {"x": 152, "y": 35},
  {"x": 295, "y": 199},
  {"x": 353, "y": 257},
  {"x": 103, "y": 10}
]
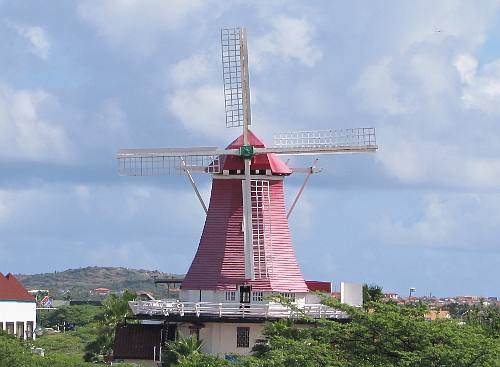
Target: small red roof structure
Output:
[
  {"x": 319, "y": 286},
  {"x": 12, "y": 290}
]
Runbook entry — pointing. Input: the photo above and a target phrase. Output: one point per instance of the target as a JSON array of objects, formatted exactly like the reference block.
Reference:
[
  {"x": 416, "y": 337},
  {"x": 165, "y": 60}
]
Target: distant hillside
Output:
[{"x": 80, "y": 281}]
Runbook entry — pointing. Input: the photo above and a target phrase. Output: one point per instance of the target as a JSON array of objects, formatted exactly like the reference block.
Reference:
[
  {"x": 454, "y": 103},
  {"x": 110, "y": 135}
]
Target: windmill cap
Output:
[{"x": 267, "y": 161}]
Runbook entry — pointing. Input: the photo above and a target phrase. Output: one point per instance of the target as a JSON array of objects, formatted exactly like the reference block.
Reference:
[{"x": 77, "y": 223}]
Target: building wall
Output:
[
  {"x": 220, "y": 296},
  {"x": 220, "y": 338},
  {"x": 18, "y": 311}
]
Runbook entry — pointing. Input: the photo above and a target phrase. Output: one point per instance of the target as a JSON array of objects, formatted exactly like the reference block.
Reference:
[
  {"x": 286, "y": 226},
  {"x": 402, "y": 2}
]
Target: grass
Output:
[{"x": 68, "y": 346}]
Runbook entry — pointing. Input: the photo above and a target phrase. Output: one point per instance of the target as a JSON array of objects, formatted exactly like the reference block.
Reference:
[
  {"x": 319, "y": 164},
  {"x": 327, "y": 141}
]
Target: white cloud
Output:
[
  {"x": 94, "y": 224},
  {"x": 412, "y": 160},
  {"x": 445, "y": 221},
  {"x": 466, "y": 65},
  {"x": 378, "y": 91},
  {"x": 194, "y": 69},
  {"x": 137, "y": 24},
  {"x": 36, "y": 36},
  {"x": 482, "y": 91},
  {"x": 291, "y": 39},
  {"x": 200, "y": 109},
  {"x": 416, "y": 93},
  {"x": 111, "y": 122},
  {"x": 28, "y": 132}
]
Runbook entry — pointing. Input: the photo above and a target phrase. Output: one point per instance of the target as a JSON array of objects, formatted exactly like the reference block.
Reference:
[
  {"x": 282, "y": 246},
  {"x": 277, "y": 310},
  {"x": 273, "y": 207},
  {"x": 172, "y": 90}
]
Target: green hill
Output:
[{"x": 79, "y": 282}]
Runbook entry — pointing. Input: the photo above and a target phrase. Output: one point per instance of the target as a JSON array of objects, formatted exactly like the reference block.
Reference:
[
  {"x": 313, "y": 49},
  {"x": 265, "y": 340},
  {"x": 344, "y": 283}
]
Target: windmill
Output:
[{"x": 258, "y": 168}]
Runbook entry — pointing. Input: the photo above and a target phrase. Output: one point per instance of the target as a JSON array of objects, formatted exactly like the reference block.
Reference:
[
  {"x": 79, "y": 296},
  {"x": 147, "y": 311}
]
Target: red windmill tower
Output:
[{"x": 246, "y": 249}]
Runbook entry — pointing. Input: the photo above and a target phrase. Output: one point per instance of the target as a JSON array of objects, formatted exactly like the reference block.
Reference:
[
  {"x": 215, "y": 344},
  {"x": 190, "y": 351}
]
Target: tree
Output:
[
  {"x": 114, "y": 311},
  {"x": 181, "y": 349},
  {"x": 378, "y": 335},
  {"x": 372, "y": 293},
  {"x": 78, "y": 315},
  {"x": 13, "y": 353}
]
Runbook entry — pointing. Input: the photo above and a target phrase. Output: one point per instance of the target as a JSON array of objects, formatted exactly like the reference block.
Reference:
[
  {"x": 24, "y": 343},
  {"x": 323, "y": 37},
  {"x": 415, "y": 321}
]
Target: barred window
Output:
[
  {"x": 289, "y": 296},
  {"x": 257, "y": 296},
  {"x": 242, "y": 337},
  {"x": 20, "y": 329},
  {"x": 230, "y": 295},
  {"x": 29, "y": 329},
  {"x": 9, "y": 327}
]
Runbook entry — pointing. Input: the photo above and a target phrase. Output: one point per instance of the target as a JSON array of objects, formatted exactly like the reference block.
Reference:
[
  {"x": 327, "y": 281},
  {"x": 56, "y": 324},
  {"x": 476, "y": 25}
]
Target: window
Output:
[
  {"x": 257, "y": 296},
  {"x": 29, "y": 329},
  {"x": 245, "y": 293},
  {"x": 230, "y": 295},
  {"x": 242, "y": 337},
  {"x": 20, "y": 329},
  {"x": 9, "y": 327},
  {"x": 288, "y": 296},
  {"x": 194, "y": 332},
  {"x": 1, "y": 326}
]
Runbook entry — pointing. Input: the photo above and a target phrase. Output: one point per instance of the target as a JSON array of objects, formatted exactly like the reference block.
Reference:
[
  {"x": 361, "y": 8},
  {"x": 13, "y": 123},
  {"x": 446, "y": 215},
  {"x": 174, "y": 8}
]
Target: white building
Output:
[{"x": 17, "y": 308}]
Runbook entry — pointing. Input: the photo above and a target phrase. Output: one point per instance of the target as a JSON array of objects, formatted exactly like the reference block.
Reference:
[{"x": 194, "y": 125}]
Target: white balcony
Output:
[{"x": 269, "y": 310}]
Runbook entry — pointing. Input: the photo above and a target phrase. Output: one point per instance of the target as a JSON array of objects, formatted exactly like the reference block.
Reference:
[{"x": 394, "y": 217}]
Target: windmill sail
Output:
[
  {"x": 169, "y": 161},
  {"x": 235, "y": 75},
  {"x": 358, "y": 140}
]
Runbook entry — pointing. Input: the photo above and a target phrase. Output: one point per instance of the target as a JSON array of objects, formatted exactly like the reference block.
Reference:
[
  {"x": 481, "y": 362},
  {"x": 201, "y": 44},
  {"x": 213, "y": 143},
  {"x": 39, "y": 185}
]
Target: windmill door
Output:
[{"x": 245, "y": 292}]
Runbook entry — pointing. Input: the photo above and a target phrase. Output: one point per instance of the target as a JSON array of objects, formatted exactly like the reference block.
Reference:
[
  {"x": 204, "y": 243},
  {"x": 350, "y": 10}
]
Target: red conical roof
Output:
[{"x": 259, "y": 161}]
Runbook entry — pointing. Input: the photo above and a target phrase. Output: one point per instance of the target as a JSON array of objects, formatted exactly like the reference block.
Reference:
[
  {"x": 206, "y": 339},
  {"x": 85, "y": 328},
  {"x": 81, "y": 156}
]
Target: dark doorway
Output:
[{"x": 245, "y": 293}]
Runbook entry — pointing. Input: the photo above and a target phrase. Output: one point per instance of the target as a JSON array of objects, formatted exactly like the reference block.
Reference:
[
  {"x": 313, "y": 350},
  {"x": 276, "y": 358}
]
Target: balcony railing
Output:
[{"x": 227, "y": 309}]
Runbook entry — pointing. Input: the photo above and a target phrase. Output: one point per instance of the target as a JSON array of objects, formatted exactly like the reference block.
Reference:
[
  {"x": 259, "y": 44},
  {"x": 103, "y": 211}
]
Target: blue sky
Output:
[{"x": 79, "y": 80}]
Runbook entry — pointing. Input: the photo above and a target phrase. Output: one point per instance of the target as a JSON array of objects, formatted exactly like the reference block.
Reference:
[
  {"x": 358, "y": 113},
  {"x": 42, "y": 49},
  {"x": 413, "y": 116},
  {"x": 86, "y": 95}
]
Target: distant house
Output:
[
  {"x": 17, "y": 308},
  {"x": 391, "y": 297},
  {"x": 101, "y": 291},
  {"x": 436, "y": 315}
]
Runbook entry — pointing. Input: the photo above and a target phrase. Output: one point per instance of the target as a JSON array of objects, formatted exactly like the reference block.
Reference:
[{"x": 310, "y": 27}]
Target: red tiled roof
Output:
[
  {"x": 12, "y": 290},
  {"x": 259, "y": 161}
]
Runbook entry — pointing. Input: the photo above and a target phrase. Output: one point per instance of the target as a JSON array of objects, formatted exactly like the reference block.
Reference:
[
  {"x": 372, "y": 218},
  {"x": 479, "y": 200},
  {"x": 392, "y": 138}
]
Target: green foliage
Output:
[
  {"x": 16, "y": 353},
  {"x": 202, "y": 360},
  {"x": 177, "y": 351},
  {"x": 114, "y": 311},
  {"x": 65, "y": 343},
  {"x": 378, "y": 335},
  {"x": 13, "y": 353},
  {"x": 78, "y": 315},
  {"x": 372, "y": 293},
  {"x": 485, "y": 317}
]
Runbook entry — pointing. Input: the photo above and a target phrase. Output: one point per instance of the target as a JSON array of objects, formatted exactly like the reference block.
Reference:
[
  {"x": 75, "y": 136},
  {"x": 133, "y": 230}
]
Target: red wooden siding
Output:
[{"x": 219, "y": 262}]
